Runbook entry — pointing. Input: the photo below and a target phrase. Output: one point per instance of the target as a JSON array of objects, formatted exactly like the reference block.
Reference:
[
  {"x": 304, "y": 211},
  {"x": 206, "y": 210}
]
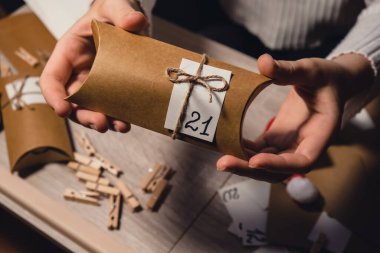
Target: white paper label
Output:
[
  {"x": 363, "y": 120},
  {"x": 31, "y": 93},
  {"x": 337, "y": 234},
  {"x": 247, "y": 203},
  {"x": 201, "y": 116}
]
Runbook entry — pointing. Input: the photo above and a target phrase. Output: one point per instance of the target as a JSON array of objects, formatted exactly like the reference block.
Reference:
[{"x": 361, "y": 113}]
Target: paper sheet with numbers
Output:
[
  {"x": 247, "y": 203},
  {"x": 201, "y": 116}
]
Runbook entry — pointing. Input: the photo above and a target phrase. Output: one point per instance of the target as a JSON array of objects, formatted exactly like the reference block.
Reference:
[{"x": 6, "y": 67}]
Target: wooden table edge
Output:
[{"x": 81, "y": 232}]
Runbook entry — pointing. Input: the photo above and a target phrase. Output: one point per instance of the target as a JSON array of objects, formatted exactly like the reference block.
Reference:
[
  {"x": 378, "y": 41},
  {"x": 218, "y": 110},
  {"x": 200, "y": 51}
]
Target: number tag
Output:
[
  {"x": 31, "y": 93},
  {"x": 201, "y": 117}
]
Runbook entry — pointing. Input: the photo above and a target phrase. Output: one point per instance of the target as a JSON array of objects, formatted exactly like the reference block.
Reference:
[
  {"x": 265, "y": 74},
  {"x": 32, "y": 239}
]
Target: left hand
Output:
[
  {"x": 308, "y": 118},
  {"x": 73, "y": 56}
]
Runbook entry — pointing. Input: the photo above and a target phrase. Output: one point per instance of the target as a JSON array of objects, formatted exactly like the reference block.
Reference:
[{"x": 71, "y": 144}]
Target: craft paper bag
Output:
[
  {"x": 348, "y": 190},
  {"x": 127, "y": 81},
  {"x": 35, "y": 135}
]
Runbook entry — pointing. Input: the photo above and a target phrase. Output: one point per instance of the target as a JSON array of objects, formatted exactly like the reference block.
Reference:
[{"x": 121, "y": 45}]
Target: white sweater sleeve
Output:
[{"x": 364, "y": 39}]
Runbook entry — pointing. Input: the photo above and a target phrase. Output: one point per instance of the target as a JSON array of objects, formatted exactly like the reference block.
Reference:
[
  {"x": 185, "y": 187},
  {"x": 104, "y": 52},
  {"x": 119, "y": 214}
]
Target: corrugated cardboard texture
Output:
[
  {"x": 34, "y": 136},
  {"x": 127, "y": 81}
]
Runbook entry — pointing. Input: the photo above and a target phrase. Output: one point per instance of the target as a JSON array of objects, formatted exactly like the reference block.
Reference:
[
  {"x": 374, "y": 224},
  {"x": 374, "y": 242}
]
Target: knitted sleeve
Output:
[{"x": 364, "y": 39}]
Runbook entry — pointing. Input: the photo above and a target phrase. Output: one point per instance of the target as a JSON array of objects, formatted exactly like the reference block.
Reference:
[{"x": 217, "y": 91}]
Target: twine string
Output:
[
  {"x": 17, "y": 98},
  {"x": 178, "y": 76}
]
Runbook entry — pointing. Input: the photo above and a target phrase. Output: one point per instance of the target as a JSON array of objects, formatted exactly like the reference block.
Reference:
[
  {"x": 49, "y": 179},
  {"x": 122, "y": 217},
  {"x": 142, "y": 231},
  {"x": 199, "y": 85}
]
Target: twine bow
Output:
[{"x": 176, "y": 75}]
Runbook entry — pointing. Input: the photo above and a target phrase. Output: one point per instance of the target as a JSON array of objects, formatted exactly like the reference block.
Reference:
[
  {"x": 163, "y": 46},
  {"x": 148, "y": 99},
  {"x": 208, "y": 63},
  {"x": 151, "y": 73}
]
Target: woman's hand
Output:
[
  {"x": 308, "y": 118},
  {"x": 73, "y": 56}
]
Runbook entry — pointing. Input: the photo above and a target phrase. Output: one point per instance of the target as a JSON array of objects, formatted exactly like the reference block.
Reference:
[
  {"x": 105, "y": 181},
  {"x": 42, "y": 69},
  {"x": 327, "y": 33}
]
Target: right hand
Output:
[
  {"x": 309, "y": 117},
  {"x": 73, "y": 56}
]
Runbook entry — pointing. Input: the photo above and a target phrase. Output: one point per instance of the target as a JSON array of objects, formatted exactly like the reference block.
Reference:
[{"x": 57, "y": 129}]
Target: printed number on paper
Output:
[{"x": 202, "y": 117}]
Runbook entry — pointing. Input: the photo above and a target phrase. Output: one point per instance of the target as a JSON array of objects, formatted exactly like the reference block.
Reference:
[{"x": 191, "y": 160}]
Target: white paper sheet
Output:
[
  {"x": 59, "y": 15},
  {"x": 247, "y": 203},
  {"x": 363, "y": 120},
  {"x": 337, "y": 234},
  {"x": 31, "y": 93}
]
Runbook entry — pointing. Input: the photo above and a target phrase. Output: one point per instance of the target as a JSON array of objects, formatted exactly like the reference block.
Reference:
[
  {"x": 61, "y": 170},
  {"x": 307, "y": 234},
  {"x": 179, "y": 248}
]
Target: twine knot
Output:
[{"x": 177, "y": 75}]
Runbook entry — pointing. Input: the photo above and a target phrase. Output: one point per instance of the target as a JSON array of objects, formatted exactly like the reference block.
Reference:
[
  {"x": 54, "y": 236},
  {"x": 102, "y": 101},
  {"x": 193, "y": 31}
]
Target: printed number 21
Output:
[{"x": 196, "y": 116}]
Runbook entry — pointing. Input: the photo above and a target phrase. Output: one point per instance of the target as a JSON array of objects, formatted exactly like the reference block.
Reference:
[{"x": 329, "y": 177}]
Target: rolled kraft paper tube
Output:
[{"x": 127, "y": 81}]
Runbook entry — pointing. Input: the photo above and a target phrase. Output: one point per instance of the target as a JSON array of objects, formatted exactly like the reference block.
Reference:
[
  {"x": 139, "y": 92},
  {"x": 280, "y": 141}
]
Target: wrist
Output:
[{"x": 357, "y": 71}]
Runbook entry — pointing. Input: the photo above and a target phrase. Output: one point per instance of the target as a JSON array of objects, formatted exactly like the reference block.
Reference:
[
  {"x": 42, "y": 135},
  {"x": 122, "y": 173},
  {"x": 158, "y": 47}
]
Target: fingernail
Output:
[
  {"x": 92, "y": 126},
  {"x": 224, "y": 169},
  {"x": 220, "y": 168},
  {"x": 120, "y": 128},
  {"x": 253, "y": 166},
  {"x": 135, "y": 13},
  {"x": 114, "y": 127}
]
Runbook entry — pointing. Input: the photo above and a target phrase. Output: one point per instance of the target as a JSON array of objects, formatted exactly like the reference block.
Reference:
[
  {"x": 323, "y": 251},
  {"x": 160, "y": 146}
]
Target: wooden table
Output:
[{"x": 192, "y": 217}]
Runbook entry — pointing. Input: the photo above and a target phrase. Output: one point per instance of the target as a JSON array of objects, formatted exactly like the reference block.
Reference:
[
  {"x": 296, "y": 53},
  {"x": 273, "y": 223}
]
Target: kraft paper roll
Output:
[
  {"x": 34, "y": 135},
  {"x": 127, "y": 81}
]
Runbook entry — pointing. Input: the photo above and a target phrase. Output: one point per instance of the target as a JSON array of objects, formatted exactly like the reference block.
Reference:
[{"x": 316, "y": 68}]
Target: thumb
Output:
[
  {"x": 121, "y": 14},
  {"x": 300, "y": 72}
]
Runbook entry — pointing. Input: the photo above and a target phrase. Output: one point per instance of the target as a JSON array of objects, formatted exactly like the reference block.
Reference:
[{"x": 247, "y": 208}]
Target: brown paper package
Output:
[
  {"x": 348, "y": 179},
  {"x": 34, "y": 135},
  {"x": 127, "y": 81}
]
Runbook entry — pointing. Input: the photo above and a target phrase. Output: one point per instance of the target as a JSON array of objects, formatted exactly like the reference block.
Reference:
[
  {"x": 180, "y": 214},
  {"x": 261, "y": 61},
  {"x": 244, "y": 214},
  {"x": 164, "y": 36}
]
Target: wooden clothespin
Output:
[
  {"x": 90, "y": 151},
  {"x": 72, "y": 194},
  {"x": 89, "y": 161},
  {"x": 114, "y": 214},
  {"x": 108, "y": 165},
  {"x": 44, "y": 55},
  {"x": 27, "y": 57},
  {"x": 85, "y": 143},
  {"x": 90, "y": 194},
  {"x": 5, "y": 67},
  {"x": 152, "y": 179},
  {"x": 92, "y": 178},
  {"x": 83, "y": 168},
  {"x": 5, "y": 70},
  {"x": 129, "y": 198},
  {"x": 319, "y": 244},
  {"x": 102, "y": 188},
  {"x": 157, "y": 194},
  {"x": 163, "y": 173}
]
